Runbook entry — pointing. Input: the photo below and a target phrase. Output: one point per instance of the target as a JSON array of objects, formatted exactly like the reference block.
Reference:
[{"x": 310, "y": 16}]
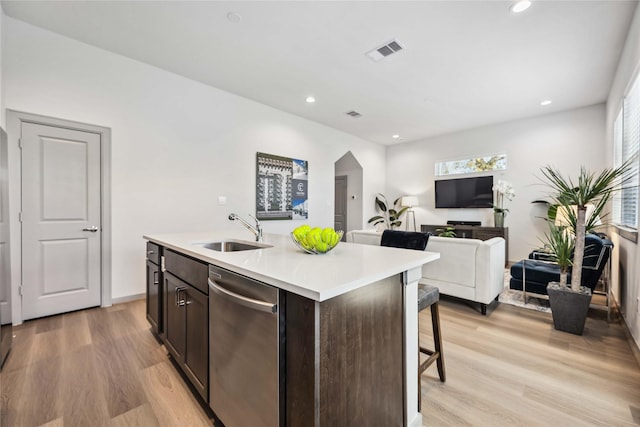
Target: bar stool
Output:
[{"x": 428, "y": 296}]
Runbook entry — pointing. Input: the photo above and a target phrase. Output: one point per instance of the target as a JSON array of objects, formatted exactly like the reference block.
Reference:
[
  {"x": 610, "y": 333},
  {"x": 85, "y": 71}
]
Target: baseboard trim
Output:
[
  {"x": 128, "y": 298},
  {"x": 616, "y": 315},
  {"x": 632, "y": 342}
]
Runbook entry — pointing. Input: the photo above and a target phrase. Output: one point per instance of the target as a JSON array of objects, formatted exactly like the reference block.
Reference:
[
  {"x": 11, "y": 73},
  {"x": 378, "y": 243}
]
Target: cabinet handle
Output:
[
  {"x": 177, "y": 295},
  {"x": 180, "y": 302},
  {"x": 155, "y": 278},
  {"x": 242, "y": 300},
  {"x": 151, "y": 252}
]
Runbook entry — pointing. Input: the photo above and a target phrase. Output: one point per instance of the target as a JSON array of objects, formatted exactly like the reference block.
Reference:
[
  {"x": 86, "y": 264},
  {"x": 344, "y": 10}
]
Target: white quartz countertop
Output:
[{"x": 347, "y": 267}]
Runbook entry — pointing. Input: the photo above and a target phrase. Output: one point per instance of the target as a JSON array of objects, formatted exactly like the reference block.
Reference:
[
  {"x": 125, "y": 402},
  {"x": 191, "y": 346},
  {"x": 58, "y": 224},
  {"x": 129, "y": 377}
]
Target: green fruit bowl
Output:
[{"x": 315, "y": 251}]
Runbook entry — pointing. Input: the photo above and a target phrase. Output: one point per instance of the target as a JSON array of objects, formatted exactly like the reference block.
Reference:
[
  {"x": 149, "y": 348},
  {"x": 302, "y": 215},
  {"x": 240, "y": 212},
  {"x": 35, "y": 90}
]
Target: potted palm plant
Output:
[
  {"x": 568, "y": 308},
  {"x": 574, "y": 197},
  {"x": 390, "y": 215},
  {"x": 590, "y": 189}
]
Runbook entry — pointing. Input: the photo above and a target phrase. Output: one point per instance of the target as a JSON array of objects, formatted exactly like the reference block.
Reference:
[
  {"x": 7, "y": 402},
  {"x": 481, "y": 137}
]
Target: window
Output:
[
  {"x": 626, "y": 134},
  {"x": 476, "y": 164}
]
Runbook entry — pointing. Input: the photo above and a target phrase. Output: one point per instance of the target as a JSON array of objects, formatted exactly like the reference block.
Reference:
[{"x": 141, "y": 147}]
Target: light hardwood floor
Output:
[
  {"x": 513, "y": 368},
  {"x": 102, "y": 367},
  {"x": 97, "y": 367}
]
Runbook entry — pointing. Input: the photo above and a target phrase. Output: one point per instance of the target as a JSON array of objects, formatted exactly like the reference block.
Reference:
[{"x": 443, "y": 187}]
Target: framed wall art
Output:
[{"x": 281, "y": 187}]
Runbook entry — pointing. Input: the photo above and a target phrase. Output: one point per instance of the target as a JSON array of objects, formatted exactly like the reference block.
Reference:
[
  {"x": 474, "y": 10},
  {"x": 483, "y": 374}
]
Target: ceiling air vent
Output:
[
  {"x": 353, "y": 114},
  {"x": 385, "y": 50}
]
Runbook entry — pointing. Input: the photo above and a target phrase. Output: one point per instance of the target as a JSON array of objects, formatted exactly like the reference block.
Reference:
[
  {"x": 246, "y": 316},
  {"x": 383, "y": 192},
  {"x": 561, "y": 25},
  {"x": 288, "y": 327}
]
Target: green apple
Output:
[
  {"x": 321, "y": 246},
  {"x": 300, "y": 232},
  {"x": 327, "y": 235}
]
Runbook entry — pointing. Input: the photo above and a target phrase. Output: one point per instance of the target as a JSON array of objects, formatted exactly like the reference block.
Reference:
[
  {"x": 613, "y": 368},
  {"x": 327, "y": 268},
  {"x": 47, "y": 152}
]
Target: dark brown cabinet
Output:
[
  {"x": 174, "y": 336},
  {"x": 154, "y": 284},
  {"x": 186, "y": 326},
  {"x": 196, "y": 354},
  {"x": 339, "y": 361},
  {"x": 344, "y": 357}
]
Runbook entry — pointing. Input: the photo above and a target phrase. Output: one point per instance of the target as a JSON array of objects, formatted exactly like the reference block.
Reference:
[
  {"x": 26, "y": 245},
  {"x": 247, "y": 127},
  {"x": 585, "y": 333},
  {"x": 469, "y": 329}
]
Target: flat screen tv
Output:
[{"x": 473, "y": 192}]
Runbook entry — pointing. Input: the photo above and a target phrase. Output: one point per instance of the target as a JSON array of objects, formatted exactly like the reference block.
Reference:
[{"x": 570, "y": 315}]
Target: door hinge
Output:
[
  {"x": 20, "y": 216},
  {"x": 20, "y": 290},
  {"x": 20, "y": 143}
]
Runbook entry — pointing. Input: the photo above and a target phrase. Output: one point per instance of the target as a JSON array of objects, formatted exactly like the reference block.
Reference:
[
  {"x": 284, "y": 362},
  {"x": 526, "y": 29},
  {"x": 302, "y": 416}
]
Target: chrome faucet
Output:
[{"x": 257, "y": 230}]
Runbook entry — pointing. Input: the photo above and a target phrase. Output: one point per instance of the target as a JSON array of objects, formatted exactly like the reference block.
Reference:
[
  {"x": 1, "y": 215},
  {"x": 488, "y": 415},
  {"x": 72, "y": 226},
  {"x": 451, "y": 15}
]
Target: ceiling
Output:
[{"x": 464, "y": 64}]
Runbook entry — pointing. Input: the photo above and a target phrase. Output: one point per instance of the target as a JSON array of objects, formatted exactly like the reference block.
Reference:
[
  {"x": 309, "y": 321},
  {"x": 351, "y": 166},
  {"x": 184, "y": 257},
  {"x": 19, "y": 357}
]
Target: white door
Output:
[
  {"x": 5, "y": 265},
  {"x": 61, "y": 229}
]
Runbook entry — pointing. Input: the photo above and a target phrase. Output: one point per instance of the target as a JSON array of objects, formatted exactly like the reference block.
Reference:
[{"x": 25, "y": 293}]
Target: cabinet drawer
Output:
[
  {"x": 153, "y": 253},
  {"x": 190, "y": 270}
]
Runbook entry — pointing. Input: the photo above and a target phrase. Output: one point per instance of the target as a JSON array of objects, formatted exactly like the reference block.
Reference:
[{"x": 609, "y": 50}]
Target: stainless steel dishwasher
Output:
[{"x": 244, "y": 342}]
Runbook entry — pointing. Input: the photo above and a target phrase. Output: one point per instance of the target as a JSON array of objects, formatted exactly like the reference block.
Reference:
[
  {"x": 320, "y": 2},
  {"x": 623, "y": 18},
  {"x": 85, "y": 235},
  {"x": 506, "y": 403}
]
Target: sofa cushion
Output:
[
  {"x": 537, "y": 271},
  {"x": 457, "y": 263}
]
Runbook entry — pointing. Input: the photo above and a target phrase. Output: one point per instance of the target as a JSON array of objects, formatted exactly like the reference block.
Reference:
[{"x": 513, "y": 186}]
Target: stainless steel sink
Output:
[{"x": 232, "y": 245}]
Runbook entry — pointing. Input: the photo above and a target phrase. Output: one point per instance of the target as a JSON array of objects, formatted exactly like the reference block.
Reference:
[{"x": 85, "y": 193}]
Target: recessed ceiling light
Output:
[
  {"x": 520, "y": 6},
  {"x": 311, "y": 99},
  {"x": 234, "y": 17},
  {"x": 546, "y": 102},
  {"x": 396, "y": 136}
]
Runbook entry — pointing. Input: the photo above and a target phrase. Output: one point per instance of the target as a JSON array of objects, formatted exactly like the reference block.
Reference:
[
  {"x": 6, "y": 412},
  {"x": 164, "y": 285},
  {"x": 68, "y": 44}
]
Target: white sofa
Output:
[{"x": 468, "y": 268}]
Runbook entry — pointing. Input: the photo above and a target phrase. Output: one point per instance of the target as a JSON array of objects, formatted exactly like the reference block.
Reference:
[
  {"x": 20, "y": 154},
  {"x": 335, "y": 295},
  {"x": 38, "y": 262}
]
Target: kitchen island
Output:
[{"x": 348, "y": 350}]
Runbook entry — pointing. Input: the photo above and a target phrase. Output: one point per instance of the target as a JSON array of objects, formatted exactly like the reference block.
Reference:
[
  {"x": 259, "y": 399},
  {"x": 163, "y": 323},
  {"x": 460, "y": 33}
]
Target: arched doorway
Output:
[{"x": 348, "y": 194}]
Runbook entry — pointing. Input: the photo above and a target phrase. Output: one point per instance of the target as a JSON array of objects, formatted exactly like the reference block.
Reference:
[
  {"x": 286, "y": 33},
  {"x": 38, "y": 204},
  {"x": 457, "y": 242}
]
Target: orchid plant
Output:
[{"x": 503, "y": 190}]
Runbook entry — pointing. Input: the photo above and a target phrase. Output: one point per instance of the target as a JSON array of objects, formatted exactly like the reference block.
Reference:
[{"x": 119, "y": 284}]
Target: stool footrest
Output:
[
  {"x": 424, "y": 365},
  {"x": 426, "y": 351}
]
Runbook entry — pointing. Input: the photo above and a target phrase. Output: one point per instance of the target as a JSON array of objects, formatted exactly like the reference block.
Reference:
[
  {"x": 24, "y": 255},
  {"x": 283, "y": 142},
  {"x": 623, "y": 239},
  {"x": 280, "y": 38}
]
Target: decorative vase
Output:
[
  {"x": 568, "y": 308},
  {"x": 498, "y": 219}
]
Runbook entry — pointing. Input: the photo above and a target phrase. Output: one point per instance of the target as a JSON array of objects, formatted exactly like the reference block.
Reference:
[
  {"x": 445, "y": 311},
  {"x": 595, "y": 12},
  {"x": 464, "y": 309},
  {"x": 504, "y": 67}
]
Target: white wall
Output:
[
  {"x": 2, "y": 116},
  {"x": 565, "y": 140},
  {"x": 176, "y": 144},
  {"x": 626, "y": 257}
]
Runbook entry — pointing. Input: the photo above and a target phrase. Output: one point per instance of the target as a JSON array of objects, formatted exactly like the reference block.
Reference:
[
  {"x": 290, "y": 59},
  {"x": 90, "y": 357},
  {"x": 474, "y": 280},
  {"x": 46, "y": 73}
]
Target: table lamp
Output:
[
  {"x": 409, "y": 202},
  {"x": 563, "y": 217}
]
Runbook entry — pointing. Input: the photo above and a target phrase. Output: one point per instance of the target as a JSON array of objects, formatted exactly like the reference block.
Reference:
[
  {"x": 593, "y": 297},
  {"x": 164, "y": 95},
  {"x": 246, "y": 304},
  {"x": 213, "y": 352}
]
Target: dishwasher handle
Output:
[{"x": 242, "y": 300}]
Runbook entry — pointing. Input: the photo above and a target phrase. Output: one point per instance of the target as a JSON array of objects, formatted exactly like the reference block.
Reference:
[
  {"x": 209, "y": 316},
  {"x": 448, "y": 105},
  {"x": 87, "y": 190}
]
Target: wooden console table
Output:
[{"x": 474, "y": 232}]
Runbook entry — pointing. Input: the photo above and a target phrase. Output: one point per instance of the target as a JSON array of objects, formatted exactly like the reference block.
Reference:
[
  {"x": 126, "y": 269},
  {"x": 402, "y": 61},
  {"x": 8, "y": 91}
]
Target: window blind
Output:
[
  {"x": 629, "y": 150},
  {"x": 617, "y": 159}
]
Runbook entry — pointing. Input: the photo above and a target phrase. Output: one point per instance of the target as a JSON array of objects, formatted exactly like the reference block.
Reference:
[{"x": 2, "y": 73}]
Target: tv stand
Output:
[{"x": 473, "y": 232}]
